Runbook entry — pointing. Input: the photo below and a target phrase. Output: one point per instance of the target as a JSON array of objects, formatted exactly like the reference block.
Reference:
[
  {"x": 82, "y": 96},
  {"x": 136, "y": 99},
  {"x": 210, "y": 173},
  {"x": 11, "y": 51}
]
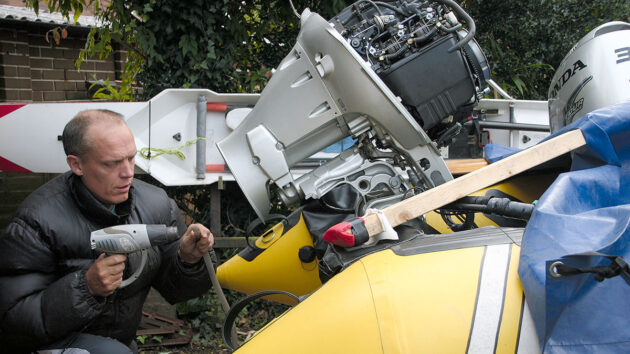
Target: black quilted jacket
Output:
[{"x": 45, "y": 252}]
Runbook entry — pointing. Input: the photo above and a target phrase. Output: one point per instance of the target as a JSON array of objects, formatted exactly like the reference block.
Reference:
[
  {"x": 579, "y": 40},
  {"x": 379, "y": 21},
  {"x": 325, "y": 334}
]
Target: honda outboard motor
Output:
[
  {"x": 396, "y": 76},
  {"x": 594, "y": 74}
]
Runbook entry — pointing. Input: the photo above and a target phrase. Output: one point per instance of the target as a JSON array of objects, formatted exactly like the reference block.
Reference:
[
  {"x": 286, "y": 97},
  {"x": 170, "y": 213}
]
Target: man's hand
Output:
[
  {"x": 106, "y": 274},
  {"x": 195, "y": 243}
]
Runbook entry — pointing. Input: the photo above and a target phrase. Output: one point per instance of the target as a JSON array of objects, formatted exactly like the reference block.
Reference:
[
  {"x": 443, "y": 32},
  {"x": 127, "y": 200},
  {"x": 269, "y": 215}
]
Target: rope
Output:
[
  {"x": 617, "y": 266},
  {"x": 151, "y": 153}
]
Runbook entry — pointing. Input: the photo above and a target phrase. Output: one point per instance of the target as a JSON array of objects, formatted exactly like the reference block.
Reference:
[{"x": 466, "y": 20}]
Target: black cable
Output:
[
  {"x": 240, "y": 305},
  {"x": 380, "y": 13},
  {"x": 494, "y": 205},
  {"x": 425, "y": 36},
  {"x": 403, "y": 48},
  {"x": 617, "y": 266},
  {"x": 391, "y": 7},
  {"x": 472, "y": 28},
  {"x": 452, "y": 29}
]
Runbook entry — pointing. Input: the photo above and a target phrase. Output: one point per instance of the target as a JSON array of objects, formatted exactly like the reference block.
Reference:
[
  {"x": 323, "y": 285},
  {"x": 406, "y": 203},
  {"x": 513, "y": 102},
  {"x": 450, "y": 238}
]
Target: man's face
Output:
[{"x": 107, "y": 168}]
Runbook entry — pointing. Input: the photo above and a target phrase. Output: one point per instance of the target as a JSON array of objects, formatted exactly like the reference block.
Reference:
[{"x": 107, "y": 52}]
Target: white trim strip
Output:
[
  {"x": 487, "y": 316},
  {"x": 528, "y": 339}
]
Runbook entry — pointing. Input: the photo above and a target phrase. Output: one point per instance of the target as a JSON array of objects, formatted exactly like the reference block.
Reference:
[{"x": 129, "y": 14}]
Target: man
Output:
[{"x": 55, "y": 291}]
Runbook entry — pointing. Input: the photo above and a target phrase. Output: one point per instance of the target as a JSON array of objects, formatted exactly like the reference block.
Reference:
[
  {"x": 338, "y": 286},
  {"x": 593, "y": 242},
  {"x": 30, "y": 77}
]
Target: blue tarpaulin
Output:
[{"x": 583, "y": 215}]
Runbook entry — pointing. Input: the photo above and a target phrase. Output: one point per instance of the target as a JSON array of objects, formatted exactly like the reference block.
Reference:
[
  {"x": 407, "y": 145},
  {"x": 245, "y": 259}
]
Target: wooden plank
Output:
[
  {"x": 157, "y": 331},
  {"x": 171, "y": 331},
  {"x": 463, "y": 166},
  {"x": 460, "y": 187}
]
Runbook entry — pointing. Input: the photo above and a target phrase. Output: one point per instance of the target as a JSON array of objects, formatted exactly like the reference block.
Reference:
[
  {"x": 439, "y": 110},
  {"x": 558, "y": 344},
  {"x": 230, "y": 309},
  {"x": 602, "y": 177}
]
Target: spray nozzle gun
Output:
[{"x": 125, "y": 239}]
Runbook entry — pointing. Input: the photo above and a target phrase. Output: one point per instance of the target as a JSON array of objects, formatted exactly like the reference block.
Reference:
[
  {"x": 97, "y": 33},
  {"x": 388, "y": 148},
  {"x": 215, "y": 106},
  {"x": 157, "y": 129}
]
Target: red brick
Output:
[
  {"x": 71, "y": 53},
  {"x": 9, "y": 95},
  {"x": 14, "y": 197},
  {"x": 8, "y": 71},
  {"x": 103, "y": 76},
  {"x": 63, "y": 64},
  {"x": 75, "y": 75},
  {"x": 87, "y": 65},
  {"x": 54, "y": 96},
  {"x": 24, "y": 182},
  {"x": 36, "y": 74},
  {"x": 77, "y": 95},
  {"x": 104, "y": 66},
  {"x": 120, "y": 55},
  {"x": 38, "y": 96},
  {"x": 9, "y": 59},
  {"x": 39, "y": 85},
  {"x": 33, "y": 51},
  {"x": 42, "y": 29},
  {"x": 7, "y": 34},
  {"x": 7, "y": 47},
  {"x": 73, "y": 43},
  {"x": 38, "y": 40},
  {"x": 21, "y": 48},
  {"x": 41, "y": 63},
  {"x": 51, "y": 52},
  {"x": 24, "y": 71},
  {"x": 53, "y": 75},
  {"x": 17, "y": 83},
  {"x": 21, "y": 35},
  {"x": 25, "y": 95},
  {"x": 65, "y": 86}
]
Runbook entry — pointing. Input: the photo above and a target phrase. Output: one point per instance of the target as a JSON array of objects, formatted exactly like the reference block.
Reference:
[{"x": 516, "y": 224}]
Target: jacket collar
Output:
[{"x": 94, "y": 209}]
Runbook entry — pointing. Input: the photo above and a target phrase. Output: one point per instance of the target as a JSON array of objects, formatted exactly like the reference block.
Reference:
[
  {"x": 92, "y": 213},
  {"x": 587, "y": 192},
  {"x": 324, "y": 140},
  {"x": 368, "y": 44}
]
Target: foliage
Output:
[
  {"x": 524, "y": 40},
  {"x": 206, "y": 317},
  {"x": 224, "y": 45},
  {"x": 57, "y": 34},
  {"x": 108, "y": 91}
]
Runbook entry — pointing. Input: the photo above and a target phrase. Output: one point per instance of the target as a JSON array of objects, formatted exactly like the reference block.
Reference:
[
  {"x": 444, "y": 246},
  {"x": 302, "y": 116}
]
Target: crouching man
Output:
[{"x": 55, "y": 291}]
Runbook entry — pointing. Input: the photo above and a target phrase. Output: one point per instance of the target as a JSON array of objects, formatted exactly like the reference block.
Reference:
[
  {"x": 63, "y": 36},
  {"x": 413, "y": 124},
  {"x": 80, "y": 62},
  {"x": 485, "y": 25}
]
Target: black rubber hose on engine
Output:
[
  {"x": 494, "y": 205},
  {"x": 472, "y": 28},
  {"x": 397, "y": 54},
  {"x": 425, "y": 36}
]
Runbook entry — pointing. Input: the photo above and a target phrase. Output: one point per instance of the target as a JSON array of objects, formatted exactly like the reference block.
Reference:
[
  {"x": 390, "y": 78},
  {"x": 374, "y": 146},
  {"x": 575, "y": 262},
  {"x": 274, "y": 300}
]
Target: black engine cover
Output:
[{"x": 432, "y": 81}]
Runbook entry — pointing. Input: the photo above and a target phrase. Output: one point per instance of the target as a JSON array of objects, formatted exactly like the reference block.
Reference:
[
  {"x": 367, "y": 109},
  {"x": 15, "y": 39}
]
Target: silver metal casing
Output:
[
  {"x": 594, "y": 74},
  {"x": 310, "y": 102}
]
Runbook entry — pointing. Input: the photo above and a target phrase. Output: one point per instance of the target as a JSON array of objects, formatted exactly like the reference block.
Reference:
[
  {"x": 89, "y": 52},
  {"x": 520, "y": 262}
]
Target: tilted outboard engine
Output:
[
  {"x": 421, "y": 51},
  {"x": 396, "y": 76}
]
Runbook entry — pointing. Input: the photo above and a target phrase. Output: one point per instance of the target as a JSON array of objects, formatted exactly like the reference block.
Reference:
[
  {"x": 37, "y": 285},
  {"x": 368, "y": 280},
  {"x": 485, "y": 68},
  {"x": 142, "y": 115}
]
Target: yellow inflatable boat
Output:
[{"x": 431, "y": 294}]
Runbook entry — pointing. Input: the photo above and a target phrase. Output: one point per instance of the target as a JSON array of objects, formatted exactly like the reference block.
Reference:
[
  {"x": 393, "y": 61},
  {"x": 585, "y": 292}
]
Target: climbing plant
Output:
[
  {"x": 229, "y": 46},
  {"x": 526, "y": 40},
  {"x": 223, "y": 45}
]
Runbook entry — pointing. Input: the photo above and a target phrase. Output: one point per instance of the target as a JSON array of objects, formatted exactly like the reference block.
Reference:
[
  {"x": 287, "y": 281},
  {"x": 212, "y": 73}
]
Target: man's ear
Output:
[{"x": 75, "y": 164}]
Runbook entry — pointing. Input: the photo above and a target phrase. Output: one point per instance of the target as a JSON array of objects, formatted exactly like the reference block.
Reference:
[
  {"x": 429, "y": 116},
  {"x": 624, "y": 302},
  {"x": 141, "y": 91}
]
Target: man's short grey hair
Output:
[{"x": 74, "y": 140}]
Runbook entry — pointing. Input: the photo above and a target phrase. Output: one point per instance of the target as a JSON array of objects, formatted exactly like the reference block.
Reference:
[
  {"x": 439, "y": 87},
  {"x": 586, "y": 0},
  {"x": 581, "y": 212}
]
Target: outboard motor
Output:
[
  {"x": 396, "y": 76},
  {"x": 594, "y": 74}
]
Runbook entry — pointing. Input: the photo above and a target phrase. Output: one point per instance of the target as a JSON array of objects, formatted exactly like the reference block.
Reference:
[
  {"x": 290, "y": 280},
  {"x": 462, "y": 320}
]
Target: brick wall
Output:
[
  {"x": 33, "y": 70},
  {"x": 14, "y": 187}
]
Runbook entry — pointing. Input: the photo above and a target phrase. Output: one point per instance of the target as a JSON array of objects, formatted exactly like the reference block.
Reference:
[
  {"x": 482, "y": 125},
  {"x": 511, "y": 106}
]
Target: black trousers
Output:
[{"x": 83, "y": 343}]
